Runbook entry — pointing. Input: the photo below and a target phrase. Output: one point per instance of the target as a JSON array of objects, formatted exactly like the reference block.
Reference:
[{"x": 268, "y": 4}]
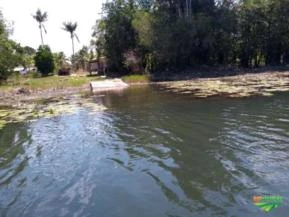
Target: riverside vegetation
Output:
[
  {"x": 153, "y": 36},
  {"x": 143, "y": 39},
  {"x": 174, "y": 35}
]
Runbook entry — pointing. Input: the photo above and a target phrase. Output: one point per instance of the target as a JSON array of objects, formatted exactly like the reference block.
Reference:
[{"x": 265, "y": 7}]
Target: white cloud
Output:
[{"x": 26, "y": 30}]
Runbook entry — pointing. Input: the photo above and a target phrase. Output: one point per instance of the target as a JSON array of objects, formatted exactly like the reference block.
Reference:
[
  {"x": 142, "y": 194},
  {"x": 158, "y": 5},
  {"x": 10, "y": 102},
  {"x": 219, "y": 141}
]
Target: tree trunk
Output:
[
  {"x": 40, "y": 27},
  {"x": 72, "y": 40},
  {"x": 190, "y": 9},
  {"x": 72, "y": 58},
  {"x": 179, "y": 8},
  {"x": 187, "y": 8}
]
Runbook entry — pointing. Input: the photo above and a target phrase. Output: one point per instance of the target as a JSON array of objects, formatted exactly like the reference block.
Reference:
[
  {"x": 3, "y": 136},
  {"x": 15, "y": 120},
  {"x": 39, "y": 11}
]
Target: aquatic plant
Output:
[
  {"x": 264, "y": 84},
  {"x": 47, "y": 109},
  {"x": 2, "y": 124}
]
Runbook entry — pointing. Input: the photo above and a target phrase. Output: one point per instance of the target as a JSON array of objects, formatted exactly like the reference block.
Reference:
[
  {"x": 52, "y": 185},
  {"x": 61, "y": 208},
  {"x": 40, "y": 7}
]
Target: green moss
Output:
[
  {"x": 3, "y": 113},
  {"x": 51, "y": 111},
  {"x": 136, "y": 79},
  {"x": 2, "y": 124}
]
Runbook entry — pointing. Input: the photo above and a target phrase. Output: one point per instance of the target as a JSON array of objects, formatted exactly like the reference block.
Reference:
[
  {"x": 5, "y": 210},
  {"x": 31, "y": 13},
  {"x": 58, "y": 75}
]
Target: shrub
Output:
[
  {"x": 8, "y": 56},
  {"x": 65, "y": 69},
  {"x": 44, "y": 60}
]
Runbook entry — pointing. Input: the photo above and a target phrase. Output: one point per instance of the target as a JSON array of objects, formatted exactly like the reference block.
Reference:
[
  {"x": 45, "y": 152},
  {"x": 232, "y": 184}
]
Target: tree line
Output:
[
  {"x": 136, "y": 36},
  {"x": 159, "y": 35},
  {"x": 12, "y": 54}
]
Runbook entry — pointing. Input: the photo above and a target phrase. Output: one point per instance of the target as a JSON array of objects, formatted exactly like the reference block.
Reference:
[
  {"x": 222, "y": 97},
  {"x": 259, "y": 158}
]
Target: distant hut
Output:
[{"x": 98, "y": 66}]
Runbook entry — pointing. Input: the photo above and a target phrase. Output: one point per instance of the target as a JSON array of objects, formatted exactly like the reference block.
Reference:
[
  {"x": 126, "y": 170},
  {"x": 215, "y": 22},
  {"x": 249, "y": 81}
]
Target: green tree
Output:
[
  {"x": 9, "y": 55},
  {"x": 99, "y": 39},
  {"x": 71, "y": 28},
  {"x": 59, "y": 60},
  {"x": 182, "y": 34},
  {"x": 143, "y": 23},
  {"x": 225, "y": 28},
  {"x": 8, "y": 59},
  {"x": 119, "y": 34},
  {"x": 81, "y": 58},
  {"x": 26, "y": 55},
  {"x": 44, "y": 60},
  {"x": 29, "y": 50},
  {"x": 277, "y": 34},
  {"x": 41, "y": 17}
]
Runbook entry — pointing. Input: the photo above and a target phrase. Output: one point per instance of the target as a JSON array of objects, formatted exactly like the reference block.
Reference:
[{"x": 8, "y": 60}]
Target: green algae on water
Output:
[
  {"x": 2, "y": 124},
  {"x": 47, "y": 109}
]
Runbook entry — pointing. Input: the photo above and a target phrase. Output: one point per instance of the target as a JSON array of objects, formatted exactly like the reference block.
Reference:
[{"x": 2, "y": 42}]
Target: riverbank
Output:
[
  {"x": 24, "y": 99},
  {"x": 47, "y": 97},
  {"x": 20, "y": 90}
]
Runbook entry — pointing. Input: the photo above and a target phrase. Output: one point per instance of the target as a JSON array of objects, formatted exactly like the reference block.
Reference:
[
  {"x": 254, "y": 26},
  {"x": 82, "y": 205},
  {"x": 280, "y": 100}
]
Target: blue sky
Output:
[{"x": 26, "y": 30}]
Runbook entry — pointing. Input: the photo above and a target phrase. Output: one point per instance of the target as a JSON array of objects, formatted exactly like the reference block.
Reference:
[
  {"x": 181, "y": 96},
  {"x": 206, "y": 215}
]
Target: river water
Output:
[{"x": 150, "y": 153}]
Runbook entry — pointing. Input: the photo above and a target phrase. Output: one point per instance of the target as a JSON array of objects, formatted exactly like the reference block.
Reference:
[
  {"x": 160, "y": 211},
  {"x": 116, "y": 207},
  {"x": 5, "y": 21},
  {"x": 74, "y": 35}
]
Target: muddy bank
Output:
[
  {"x": 20, "y": 95},
  {"x": 264, "y": 84}
]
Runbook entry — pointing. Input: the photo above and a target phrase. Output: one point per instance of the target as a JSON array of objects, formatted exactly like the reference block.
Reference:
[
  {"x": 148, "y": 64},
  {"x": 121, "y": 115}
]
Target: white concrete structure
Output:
[{"x": 106, "y": 85}]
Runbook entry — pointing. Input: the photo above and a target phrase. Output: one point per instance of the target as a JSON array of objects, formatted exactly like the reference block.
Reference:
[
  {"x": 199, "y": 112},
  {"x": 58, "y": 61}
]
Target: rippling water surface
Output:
[{"x": 149, "y": 154}]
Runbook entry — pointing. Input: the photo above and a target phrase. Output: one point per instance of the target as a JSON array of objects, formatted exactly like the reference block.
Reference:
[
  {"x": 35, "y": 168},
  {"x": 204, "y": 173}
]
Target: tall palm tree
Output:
[
  {"x": 41, "y": 18},
  {"x": 71, "y": 27}
]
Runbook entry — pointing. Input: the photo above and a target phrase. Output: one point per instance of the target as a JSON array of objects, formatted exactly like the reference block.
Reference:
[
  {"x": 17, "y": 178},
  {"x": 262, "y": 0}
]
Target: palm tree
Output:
[
  {"x": 41, "y": 18},
  {"x": 71, "y": 27}
]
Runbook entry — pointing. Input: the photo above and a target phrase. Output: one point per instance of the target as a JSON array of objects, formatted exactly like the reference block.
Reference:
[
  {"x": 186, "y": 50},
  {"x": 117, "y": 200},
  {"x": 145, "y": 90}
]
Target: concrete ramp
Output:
[{"x": 107, "y": 85}]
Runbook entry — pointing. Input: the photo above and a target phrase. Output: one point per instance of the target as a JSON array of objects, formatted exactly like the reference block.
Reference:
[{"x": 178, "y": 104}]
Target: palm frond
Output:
[
  {"x": 40, "y": 16},
  {"x": 76, "y": 38},
  {"x": 44, "y": 29},
  {"x": 69, "y": 27}
]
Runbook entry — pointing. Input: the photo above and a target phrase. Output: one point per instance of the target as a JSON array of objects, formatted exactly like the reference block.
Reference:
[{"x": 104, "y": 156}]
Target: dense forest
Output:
[{"x": 156, "y": 35}]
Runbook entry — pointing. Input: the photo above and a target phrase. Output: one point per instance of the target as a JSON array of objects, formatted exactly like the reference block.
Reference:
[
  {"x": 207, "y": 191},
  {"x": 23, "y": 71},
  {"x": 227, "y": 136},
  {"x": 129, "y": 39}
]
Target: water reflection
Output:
[
  {"x": 150, "y": 154},
  {"x": 14, "y": 139},
  {"x": 174, "y": 150}
]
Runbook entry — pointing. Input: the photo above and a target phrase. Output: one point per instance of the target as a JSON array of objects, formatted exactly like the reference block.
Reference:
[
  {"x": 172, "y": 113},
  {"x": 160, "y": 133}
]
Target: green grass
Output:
[
  {"x": 60, "y": 82},
  {"x": 57, "y": 82},
  {"x": 136, "y": 79}
]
